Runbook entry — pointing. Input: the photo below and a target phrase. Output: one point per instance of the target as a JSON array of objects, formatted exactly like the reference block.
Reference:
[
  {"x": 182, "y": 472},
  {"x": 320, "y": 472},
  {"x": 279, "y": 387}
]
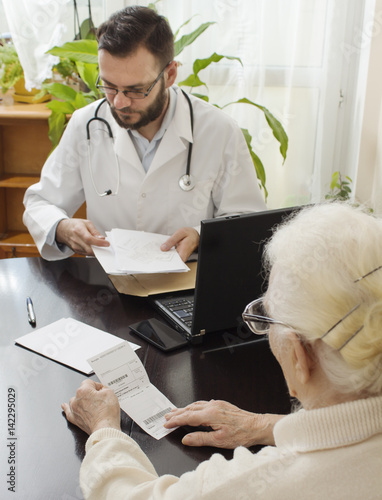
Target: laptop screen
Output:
[{"x": 229, "y": 273}]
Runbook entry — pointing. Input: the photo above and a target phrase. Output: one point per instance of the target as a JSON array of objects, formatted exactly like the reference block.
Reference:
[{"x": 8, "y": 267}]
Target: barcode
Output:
[
  {"x": 157, "y": 416},
  {"x": 117, "y": 380}
]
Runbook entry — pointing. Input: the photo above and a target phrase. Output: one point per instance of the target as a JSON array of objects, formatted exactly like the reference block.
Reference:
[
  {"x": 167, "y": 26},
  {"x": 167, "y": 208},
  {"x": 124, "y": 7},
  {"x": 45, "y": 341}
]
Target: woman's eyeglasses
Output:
[{"x": 256, "y": 318}]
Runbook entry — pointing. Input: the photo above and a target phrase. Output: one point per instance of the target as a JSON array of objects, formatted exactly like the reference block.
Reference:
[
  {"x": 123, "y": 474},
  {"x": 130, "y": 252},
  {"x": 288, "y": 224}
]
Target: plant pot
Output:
[{"x": 21, "y": 94}]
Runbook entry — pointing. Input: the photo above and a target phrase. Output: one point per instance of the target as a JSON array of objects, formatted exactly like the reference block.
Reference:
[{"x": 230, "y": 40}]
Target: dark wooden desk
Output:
[{"x": 48, "y": 450}]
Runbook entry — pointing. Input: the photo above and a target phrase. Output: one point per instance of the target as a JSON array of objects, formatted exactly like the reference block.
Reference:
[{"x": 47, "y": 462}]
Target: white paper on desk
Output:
[
  {"x": 106, "y": 257},
  {"x": 120, "y": 369},
  {"x": 137, "y": 252},
  {"x": 70, "y": 342}
]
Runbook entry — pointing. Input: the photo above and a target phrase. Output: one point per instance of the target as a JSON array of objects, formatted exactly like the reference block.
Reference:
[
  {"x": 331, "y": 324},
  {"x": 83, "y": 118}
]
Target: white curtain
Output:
[
  {"x": 376, "y": 184},
  {"x": 35, "y": 26},
  {"x": 296, "y": 62},
  {"x": 369, "y": 179}
]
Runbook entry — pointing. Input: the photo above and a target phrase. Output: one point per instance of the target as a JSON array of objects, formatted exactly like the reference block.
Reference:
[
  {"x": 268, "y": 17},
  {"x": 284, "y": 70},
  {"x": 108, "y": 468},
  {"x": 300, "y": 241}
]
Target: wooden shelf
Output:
[
  {"x": 17, "y": 238},
  {"x": 18, "y": 181},
  {"x": 24, "y": 112},
  {"x": 17, "y": 244},
  {"x": 24, "y": 147}
]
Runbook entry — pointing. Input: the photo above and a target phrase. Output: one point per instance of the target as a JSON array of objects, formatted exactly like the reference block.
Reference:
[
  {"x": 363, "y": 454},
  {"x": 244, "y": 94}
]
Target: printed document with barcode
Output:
[{"x": 120, "y": 369}]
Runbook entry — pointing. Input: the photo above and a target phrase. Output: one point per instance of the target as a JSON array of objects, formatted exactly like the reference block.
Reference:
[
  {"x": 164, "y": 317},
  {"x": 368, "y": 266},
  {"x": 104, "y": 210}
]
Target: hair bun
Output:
[{"x": 367, "y": 344}]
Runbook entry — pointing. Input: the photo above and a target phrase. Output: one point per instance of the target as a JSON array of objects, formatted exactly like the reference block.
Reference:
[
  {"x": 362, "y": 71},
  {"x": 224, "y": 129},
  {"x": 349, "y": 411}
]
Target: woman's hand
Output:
[
  {"x": 231, "y": 426},
  {"x": 93, "y": 407}
]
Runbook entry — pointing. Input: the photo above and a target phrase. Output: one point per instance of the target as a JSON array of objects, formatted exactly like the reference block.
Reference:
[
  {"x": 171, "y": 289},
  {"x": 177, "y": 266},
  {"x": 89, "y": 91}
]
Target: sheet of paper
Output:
[
  {"x": 120, "y": 369},
  {"x": 138, "y": 252},
  {"x": 106, "y": 257},
  {"x": 70, "y": 342}
]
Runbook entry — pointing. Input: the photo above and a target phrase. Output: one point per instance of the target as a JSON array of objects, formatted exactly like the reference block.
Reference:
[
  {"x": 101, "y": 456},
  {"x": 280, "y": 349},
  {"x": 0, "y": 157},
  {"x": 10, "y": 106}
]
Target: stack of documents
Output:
[
  {"x": 137, "y": 252},
  {"x": 70, "y": 342}
]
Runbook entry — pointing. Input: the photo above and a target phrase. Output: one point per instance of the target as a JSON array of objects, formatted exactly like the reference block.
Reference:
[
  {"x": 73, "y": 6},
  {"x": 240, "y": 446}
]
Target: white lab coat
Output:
[{"x": 226, "y": 181}]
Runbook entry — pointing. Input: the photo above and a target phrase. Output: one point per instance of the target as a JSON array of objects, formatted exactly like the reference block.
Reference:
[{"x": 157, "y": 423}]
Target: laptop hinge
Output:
[{"x": 196, "y": 335}]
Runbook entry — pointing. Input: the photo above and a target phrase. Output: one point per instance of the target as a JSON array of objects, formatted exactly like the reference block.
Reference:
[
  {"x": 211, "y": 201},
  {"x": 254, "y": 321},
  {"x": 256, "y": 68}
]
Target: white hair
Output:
[{"x": 318, "y": 257}]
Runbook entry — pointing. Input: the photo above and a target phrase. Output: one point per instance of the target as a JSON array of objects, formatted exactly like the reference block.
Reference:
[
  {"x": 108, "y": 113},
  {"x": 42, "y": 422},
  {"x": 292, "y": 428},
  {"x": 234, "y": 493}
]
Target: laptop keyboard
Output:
[{"x": 182, "y": 308}]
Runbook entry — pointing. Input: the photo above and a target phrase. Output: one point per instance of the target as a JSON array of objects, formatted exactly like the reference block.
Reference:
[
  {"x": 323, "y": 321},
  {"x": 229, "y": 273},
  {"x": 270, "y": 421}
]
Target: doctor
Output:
[{"x": 129, "y": 163}]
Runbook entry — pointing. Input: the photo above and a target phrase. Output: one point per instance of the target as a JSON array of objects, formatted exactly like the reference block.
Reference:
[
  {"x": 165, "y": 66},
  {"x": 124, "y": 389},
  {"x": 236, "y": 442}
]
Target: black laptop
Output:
[{"x": 229, "y": 274}]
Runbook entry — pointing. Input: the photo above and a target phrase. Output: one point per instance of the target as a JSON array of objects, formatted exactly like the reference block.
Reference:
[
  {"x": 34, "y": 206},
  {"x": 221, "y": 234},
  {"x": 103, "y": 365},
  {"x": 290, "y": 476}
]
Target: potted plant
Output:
[
  {"x": 10, "y": 68},
  {"x": 12, "y": 75},
  {"x": 340, "y": 189}
]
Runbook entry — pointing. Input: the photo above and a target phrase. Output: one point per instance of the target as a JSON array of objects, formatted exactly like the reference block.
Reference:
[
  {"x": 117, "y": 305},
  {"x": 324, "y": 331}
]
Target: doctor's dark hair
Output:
[{"x": 130, "y": 28}]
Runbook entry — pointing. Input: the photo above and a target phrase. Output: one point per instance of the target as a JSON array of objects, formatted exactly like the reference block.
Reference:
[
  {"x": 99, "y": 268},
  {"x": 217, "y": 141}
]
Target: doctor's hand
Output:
[
  {"x": 79, "y": 235},
  {"x": 185, "y": 240},
  {"x": 93, "y": 407},
  {"x": 231, "y": 426}
]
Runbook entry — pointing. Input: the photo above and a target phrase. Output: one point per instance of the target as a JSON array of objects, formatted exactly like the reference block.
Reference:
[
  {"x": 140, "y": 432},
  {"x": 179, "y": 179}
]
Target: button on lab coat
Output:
[{"x": 225, "y": 177}]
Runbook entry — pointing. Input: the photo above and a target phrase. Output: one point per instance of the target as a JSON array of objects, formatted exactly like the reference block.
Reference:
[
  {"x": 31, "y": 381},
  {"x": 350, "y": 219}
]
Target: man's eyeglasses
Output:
[
  {"x": 131, "y": 94},
  {"x": 256, "y": 318}
]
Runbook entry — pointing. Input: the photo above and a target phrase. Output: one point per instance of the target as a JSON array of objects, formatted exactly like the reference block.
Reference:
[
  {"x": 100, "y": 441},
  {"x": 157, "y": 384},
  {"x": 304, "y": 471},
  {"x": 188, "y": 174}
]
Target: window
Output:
[{"x": 305, "y": 60}]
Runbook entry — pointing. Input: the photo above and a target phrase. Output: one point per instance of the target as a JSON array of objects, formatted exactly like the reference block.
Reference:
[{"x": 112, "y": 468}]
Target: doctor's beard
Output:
[{"x": 147, "y": 116}]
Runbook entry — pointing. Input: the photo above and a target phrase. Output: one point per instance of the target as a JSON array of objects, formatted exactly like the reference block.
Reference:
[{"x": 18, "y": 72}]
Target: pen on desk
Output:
[{"x": 31, "y": 314}]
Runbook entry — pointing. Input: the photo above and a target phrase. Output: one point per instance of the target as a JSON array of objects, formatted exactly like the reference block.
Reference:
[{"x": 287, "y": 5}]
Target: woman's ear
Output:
[{"x": 302, "y": 360}]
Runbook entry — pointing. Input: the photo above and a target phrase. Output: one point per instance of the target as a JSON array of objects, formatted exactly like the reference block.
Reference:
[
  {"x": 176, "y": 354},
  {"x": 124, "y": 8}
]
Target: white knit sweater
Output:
[{"x": 329, "y": 453}]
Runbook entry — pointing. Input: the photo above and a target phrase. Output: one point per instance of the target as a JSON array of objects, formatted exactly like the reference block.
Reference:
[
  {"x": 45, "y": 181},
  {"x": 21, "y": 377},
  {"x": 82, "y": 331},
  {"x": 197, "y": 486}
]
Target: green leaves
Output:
[
  {"x": 56, "y": 123},
  {"x": 81, "y": 56},
  {"x": 339, "y": 189},
  {"x": 182, "y": 26},
  {"x": 65, "y": 108},
  {"x": 70, "y": 101},
  {"x": 278, "y": 132},
  {"x": 201, "y": 96},
  {"x": 87, "y": 30},
  {"x": 193, "y": 80},
  {"x": 276, "y": 127},
  {"x": 152, "y": 5},
  {"x": 88, "y": 74},
  {"x": 186, "y": 40},
  {"x": 79, "y": 50},
  {"x": 200, "y": 64},
  {"x": 61, "y": 91},
  {"x": 10, "y": 67},
  {"x": 259, "y": 167}
]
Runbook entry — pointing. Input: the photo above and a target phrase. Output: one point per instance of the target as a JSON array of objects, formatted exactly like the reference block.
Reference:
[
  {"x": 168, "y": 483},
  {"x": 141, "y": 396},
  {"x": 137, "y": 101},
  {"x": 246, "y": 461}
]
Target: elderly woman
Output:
[{"x": 323, "y": 315}]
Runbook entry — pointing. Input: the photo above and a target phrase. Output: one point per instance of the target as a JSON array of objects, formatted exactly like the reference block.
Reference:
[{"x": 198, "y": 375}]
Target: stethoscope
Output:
[
  {"x": 108, "y": 192},
  {"x": 186, "y": 181}
]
